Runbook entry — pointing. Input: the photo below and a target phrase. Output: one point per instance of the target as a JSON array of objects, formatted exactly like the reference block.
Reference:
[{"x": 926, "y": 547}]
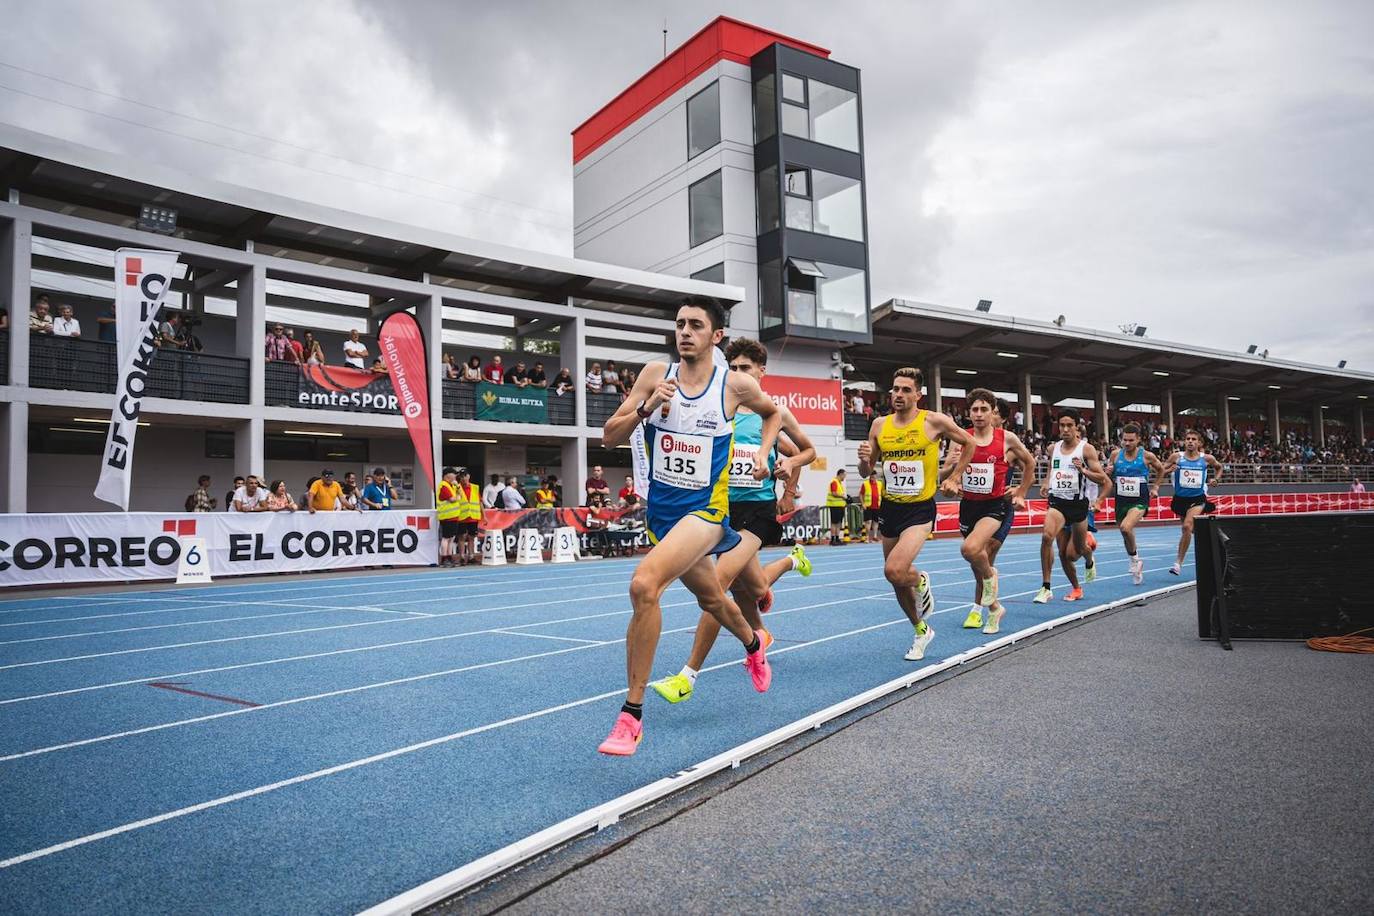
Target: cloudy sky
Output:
[{"x": 1203, "y": 168}]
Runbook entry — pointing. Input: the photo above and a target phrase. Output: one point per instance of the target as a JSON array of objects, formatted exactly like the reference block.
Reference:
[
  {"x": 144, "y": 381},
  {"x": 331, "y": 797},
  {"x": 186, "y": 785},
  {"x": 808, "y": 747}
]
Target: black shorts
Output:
[
  {"x": 870, "y": 515},
  {"x": 1073, "y": 510},
  {"x": 1180, "y": 505},
  {"x": 468, "y": 527},
  {"x": 971, "y": 511},
  {"x": 448, "y": 528},
  {"x": 894, "y": 518},
  {"x": 835, "y": 515},
  {"x": 759, "y": 517}
]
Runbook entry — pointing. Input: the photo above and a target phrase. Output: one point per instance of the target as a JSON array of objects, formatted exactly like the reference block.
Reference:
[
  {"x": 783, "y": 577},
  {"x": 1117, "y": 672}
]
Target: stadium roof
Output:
[
  {"x": 1068, "y": 361},
  {"x": 54, "y": 174}
]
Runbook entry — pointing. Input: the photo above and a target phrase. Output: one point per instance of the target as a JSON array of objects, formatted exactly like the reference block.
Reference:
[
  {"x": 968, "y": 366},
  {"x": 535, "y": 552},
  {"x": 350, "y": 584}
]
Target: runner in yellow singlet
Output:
[{"x": 906, "y": 446}]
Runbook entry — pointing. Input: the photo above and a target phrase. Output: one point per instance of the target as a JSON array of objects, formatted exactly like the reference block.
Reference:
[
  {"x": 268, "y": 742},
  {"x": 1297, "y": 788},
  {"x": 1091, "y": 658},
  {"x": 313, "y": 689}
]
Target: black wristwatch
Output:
[{"x": 641, "y": 412}]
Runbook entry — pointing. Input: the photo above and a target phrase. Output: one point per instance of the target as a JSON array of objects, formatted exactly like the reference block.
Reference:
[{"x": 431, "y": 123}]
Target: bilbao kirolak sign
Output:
[{"x": 814, "y": 402}]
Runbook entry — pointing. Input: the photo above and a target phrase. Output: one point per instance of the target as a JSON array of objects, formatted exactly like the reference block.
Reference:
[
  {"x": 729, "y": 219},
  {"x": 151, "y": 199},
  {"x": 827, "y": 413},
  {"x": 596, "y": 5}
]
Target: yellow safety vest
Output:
[
  {"x": 831, "y": 497},
  {"x": 871, "y": 493},
  {"x": 444, "y": 501},
  {"x": 469, "y": 503},
  {"x": 544, "y": 499}
]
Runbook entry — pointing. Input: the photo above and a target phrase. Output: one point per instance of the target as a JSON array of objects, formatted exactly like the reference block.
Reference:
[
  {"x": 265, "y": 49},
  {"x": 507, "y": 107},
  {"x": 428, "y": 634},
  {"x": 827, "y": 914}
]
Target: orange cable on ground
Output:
[{"x": 1353, "y": 642}]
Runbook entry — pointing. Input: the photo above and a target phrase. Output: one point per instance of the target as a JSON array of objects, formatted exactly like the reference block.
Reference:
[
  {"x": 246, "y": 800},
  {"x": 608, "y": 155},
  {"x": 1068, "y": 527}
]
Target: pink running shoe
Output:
[
  {"x": 760, "y": 672},
  {"x": 766, "y": 602},
  {"x": 625, "y": 735}
]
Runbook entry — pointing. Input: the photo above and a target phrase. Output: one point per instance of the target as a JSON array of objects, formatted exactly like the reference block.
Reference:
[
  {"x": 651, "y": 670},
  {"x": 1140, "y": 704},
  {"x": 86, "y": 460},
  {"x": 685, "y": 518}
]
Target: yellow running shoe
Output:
[
  {"x": 974, "y": 620},
  {"x": 674, "y": 689},
  {"x": 800, "y": 560},
  {"x": 990, "y": 589},
  {"x": 1091, "y": 574},
  {"x": 1043, "y": 596},
  {"x": 995, "y": 614}
]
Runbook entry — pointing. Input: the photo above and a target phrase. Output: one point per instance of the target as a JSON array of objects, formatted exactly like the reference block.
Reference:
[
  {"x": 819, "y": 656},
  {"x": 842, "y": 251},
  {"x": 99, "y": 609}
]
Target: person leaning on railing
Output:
[{"x": 277, "y": 499}]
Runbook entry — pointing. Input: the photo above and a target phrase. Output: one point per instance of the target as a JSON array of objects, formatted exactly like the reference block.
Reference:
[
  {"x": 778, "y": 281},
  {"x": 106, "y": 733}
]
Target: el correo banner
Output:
[
  {"x": 512, "y": 404},
  {"x": 66, "y": 549},
  {"x": 142, "y": 279}
]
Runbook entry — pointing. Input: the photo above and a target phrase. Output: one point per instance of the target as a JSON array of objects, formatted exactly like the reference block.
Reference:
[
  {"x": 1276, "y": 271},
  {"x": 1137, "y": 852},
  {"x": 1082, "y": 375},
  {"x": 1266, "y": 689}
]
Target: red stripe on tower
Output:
[{"x": 723, "y": 39}]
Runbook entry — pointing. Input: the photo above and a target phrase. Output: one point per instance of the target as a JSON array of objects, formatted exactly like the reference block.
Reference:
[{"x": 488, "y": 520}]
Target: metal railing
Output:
[
  {"x": 71, "y": 364},
  {"x": 600, "y": 407},
  {"x": 460, "y": 403}
]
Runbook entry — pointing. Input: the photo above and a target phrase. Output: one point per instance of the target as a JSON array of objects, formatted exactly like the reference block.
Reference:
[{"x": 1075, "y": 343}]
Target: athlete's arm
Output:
[
  {"x": 944, "y": 425},
  {"x": 1166, "y": 469},
  {"x": 951, "y": 458},
  {"x": 748, "y": 394},
  {"x": 1092, "y": 467},
  {"x": 652, "y": 390},
  {"x": 1111, "y": 462},
  {"x": 869, "y": 452},
  {"x": 1015, "y": 451},
  {"x": 804, "y": 451},
  {"x": 1217, "y": 467},
  {"x": 1152, "y": 463}
]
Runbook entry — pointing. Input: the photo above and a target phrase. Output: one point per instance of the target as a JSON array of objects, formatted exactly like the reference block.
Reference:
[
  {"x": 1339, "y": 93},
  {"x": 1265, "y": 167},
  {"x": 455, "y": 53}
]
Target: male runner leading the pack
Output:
[
  {"x": 1072, "y": 463},
  {"x": 754, "y": 512},
  {"x": 1135, "y": 471},
  {"x": 687, "y": 408},
  {"x": 906, "y": 445},
  {"x": 1189, "y": 468},
  {"x": 987, "y": 508}
]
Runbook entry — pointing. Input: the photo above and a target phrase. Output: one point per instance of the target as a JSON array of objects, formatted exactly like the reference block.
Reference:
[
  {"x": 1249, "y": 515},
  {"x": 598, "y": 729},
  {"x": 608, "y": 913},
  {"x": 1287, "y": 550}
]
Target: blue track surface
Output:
[{"x": 405, "y": 724}]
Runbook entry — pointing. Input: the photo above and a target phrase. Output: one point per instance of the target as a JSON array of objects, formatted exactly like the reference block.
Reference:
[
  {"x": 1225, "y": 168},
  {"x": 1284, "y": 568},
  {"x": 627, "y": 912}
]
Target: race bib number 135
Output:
[{"x": 681, "y": 460}]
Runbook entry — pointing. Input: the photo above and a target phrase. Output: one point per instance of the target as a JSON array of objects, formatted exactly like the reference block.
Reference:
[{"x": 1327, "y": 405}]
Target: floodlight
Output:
[
  {"x": 1251, "y": 349},
  {"x": 162, "y": 220},
  {"x": 984, "y": 305}
]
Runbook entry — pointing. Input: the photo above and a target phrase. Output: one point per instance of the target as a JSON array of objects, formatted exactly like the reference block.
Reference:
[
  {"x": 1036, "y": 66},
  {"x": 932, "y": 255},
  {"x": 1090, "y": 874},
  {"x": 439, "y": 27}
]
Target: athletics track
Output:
[{"x": 324, "y": 745}]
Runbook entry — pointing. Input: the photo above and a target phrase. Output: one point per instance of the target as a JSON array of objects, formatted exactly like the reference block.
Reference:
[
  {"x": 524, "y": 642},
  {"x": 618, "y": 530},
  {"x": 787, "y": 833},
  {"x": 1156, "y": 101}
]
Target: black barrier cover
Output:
[{"x": 1283, "y": 576}]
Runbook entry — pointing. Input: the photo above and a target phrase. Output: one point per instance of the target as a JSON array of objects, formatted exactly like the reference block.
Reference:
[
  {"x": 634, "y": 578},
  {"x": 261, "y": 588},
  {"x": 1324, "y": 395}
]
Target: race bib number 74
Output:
[{"x": 1191, "y": 478}]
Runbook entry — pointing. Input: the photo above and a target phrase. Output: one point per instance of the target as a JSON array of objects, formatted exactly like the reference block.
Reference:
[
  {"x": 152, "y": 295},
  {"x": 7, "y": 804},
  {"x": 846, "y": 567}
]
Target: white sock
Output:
[
  {"x": 690, "y": 673},
  {"x": 793, "y": 561}
]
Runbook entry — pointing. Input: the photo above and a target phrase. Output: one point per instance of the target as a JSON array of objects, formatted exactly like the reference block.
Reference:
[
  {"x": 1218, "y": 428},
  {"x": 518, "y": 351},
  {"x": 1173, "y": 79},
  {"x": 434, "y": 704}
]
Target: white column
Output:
[
  {"x": 1318, "y": 428},
  {"x": 933, "y": 385},
  {"x": 430, "y": 315},
  {"x": 1166, "y": 407},
  {"x": 1027, "y": 399},
  {"x": 14, "y": 446},
  {"x": 16, "y": 256},
  {"x": 575, "y": 469},
  {"x": 1275, "y": 424},
  {"x": 1100, "y": 410},
  {"x": 572, "y": 349},
  {"x": 1223, "y": 417},
  {"x": 250, "y": 329},
  {"x": 249, "y": 450}
]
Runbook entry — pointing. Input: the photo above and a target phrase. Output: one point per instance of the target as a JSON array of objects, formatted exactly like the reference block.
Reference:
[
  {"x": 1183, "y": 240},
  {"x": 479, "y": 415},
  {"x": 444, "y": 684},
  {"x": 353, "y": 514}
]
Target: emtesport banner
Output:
[
  {"x": 69, "y": 548},
  {"x": 142, "y": 279},
  {"x": 403, "y": 350}
]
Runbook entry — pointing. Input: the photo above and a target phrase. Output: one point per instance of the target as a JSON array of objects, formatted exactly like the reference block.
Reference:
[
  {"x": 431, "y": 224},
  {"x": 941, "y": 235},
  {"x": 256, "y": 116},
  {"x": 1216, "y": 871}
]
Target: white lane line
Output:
[
  {"x": 397, "y": 582},
  {"x": 410, "y": 679},
  {"x": 351, "y": 650},
  {"x": 375, "y": 758},
  {"x": 957, "y": 564},
  {"x": 585, "y": 644},
  {"x": 341, "y": 626},
  {"x": 192, "y": 623},
  {"x": 305, "y": 601}
]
